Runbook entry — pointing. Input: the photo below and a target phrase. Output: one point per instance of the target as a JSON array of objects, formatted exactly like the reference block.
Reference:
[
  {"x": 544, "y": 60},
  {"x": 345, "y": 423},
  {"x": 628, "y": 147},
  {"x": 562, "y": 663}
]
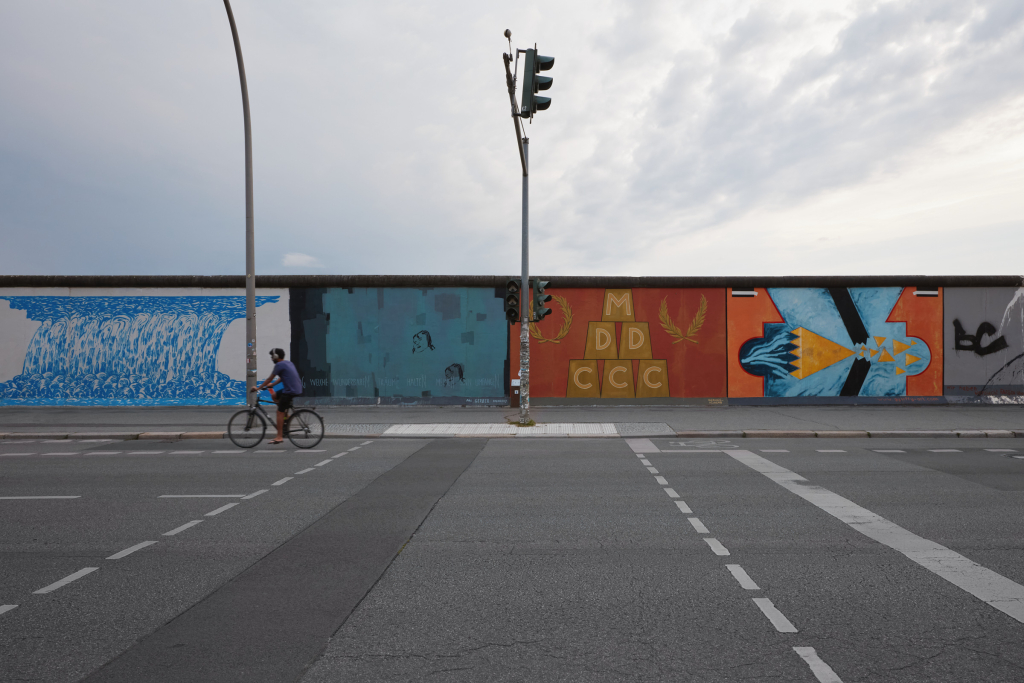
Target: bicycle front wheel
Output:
[
  {"x": 246, "y": 428},
  {"x": 305, "y": 428}
]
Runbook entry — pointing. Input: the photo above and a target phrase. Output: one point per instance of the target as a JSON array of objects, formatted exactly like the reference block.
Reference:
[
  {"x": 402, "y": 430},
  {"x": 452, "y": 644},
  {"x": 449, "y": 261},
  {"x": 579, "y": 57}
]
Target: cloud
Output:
[
  {"x": 297, "y": 260},
  {"x": 738, "y": 130}
]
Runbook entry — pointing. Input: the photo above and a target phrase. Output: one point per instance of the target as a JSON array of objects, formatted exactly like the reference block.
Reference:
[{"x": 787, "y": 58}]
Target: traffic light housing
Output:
[
  {"x": 539, "y": 299},
  {"x": 533, "y": 82},
  {"x": 512, "y": 301}
]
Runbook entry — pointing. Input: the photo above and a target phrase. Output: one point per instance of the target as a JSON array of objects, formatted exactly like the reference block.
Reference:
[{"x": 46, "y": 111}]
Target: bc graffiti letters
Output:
[{"x": 962, "y": 341}]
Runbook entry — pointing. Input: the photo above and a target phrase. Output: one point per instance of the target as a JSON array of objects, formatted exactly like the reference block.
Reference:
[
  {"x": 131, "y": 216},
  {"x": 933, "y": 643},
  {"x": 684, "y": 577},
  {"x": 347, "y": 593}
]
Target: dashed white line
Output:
[
  {"x": 63, "y": 453},
  {"x": 778, "y": 619},
  {"x": 128, "y": 551},
  {"x": 6, "y": 608},
  {"x": 354, "y": 448},
  {"x": 822, "y": 671},
  {"x": 889, "y": 451},
  {"x": 146, "y": 452},
  {"x": 325, "y": 462},
  {"x": 221, "y": 509},
  {"x": 777, "y": 450},
  {"x": 661, "y": 480},
  {"x": 38, "y": 497},
  {"x": 994, "y": 589},
  {"x": 308, "y": 469},
  {"x": 1001, "y": 450},
  {"x": 66, "y": 580},
  {"x": 642, "y": 446},
  {"x": 941, "y": 450},
  {"x": 7, "y": 454},
  {"x": 671, "y": 493},
  {"x": 282, "y": 481},
  {"x": 683, "y": 507},
  {"x": 653, "y": 470},
  {"x": 698, "y": 525},
  {"x": 645, "y": 463},
  {"x": 185, "y": 452},
  {"x": 335, "y": 457},
  {"x": 103, "y": 452},
  {"x": 366, "y": 443},
  {"x": 204, "y": 495},
  {"x": 716, "y": 546},
  {"x": 183, "y": 527},
  {"x": 317, "y": 451},
  {"x": 254, "y": 494},
  {"x": 230, "y": 452},
  {"x": 827, "y": 450},
  {"x": 742, "y": 577}
]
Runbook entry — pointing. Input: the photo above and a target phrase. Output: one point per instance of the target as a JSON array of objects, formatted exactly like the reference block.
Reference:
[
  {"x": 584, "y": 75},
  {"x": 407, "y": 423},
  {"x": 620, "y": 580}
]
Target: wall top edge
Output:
[{"x": 557, "y": 282}]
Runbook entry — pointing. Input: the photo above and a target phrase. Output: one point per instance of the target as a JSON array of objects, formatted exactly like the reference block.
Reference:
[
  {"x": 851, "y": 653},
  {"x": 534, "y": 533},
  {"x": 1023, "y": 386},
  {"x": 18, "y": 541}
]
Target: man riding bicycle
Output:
[{"x": 285, "y": 372}]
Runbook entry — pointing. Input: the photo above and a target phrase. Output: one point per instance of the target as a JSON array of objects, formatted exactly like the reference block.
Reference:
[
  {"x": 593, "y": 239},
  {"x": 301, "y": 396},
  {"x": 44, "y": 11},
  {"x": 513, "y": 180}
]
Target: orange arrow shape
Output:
[{"x": 815, "y": 353}]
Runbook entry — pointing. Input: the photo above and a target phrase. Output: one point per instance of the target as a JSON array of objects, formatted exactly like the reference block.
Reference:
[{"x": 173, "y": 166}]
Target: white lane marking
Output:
[
  {"x": 698, "y": 525},
  {"x": 690, "y": 451},
  {"x": 103, "y": 452},
  {"x": 95, "y": 440},
  {"x": 183, "y": 527},
  {"x": 63, "y": 453},
  {"x": 325, "y": 462},
  {"x": 204, "y": 495},
  {"x": 653, "y": 470},
  {"x": 683, "y": 507},
  {"x": 335, "y": 457},
  {"x": 986, "y": 585},
  {"x": 941, "y": 450},
  {"x": 1018, "y": 457},
  {"x": 236, "y": 452},
  {"x": 1001, "y": 450},
  {"x": 6, "y": 454},
  {"x": 671, "y": 493},
  {"x": 778, "y": 619},
  {"x": 366, "y": 443},
  {"x": 769, "y": 450},
  {"x": 277, "y": 451},
  {"x": 282, "y": 481},
  {"x": 146, "y": 452},
  {"x": 317, "y": 451},
  {"x": 889, "y": 451},
  {"x": 54, "y": 441},
  {"x": 6, "y": 608},
  {"x": 645, "y": 463},
  {"x": 185, "y": 452},
  {"x": 254, "y": 494},
  {"x": 355, "y": 448},
  {"x": 822, "y": 671},
  {"x": 221, "y": 509},
  {"x": 128, "y": 551},
  {"x": 642, "y": 446},
  {"x": 38, "y": 497},
  {"x": 742, "y": 577},
  {"x": 661, "y": 480},
  {"x": 826, "y": 450},
  {"x": 66, "y": 580},
  {"x": 716, "y": 546},
  {"x": 308, "y": 469}
]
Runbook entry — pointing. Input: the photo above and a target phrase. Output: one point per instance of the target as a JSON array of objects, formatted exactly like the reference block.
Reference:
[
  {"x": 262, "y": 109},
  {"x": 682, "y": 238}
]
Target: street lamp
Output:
[{"x": 250, "y": 237}]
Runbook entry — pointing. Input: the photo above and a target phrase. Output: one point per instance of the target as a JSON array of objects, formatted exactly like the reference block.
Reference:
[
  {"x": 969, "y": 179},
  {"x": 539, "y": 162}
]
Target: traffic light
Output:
[
  {"x": 535, "y": 63},
  {"x": 539, "y": 299},
  {"x": 512, "y": 301}
]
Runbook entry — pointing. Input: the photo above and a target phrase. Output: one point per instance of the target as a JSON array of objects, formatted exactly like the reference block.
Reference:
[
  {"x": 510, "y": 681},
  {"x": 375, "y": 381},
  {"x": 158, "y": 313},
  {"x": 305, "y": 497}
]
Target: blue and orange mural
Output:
[{"x": 835, "y": 342}]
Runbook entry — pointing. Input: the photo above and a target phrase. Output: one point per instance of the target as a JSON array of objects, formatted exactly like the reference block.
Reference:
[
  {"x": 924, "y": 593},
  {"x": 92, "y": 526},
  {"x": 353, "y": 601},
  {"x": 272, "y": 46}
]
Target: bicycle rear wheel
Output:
[
  {"x": 246, "y": 428},
  {"x": 305, "y": 428}
]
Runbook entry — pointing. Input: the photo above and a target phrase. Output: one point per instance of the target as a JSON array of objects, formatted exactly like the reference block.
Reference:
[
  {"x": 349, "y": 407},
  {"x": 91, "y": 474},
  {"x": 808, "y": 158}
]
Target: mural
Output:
[
  {"x": 628, "y": 344},
  {"x": 123, "y": 350},
  {"x": 401, "y": 345},
  {"x": 984, "y": 332},
  {"x": 839, "y": 342}
]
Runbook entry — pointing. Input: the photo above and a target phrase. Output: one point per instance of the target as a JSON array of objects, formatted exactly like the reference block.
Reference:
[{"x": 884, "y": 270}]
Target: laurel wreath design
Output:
[
  {"x": 566, "y": 323},
  {"x": 695, "y": 324}
]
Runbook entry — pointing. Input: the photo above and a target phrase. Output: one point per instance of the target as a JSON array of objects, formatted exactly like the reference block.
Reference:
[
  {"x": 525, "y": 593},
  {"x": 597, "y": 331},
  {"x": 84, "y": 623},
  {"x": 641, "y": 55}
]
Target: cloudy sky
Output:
[{"x": 684, "y": 138}]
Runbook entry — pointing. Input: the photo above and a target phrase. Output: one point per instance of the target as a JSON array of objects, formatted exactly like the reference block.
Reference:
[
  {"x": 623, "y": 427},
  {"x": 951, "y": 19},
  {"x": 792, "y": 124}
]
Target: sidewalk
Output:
[{"x": 611, "y": 421}]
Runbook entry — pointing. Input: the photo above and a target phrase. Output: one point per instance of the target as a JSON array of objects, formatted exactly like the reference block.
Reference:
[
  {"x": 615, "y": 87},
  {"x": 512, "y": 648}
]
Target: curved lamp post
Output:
[{"x": 250, "y": 238}]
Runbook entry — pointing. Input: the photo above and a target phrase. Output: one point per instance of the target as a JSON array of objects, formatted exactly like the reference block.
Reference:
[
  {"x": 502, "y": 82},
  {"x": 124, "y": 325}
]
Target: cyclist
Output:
[{"x": 286, "y": 373}]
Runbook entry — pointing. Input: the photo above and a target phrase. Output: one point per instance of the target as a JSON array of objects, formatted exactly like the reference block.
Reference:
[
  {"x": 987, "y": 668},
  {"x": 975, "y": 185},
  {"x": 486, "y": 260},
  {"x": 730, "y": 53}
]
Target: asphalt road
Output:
[{"x": 513, "y": 559}]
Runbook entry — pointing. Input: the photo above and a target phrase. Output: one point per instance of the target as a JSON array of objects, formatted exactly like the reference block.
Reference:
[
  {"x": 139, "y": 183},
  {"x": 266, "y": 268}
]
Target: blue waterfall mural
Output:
[{"x": 126, "y": 350}]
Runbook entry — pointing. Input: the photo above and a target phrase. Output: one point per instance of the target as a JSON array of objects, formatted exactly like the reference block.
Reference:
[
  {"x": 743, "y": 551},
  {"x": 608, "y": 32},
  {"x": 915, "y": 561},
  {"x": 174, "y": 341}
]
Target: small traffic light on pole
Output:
[
  {"x": 532, "y": 82},
  {"x": 512, "y": 301},
  {"x": 539, "y": 299}
]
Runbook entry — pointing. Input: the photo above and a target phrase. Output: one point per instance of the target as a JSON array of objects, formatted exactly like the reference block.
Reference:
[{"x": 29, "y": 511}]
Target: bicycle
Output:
[{"x": 303, "y": 427}]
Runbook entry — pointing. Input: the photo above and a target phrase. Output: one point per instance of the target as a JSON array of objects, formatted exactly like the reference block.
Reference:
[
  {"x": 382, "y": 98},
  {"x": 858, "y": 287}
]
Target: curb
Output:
[{"x": 718, "y": 434}]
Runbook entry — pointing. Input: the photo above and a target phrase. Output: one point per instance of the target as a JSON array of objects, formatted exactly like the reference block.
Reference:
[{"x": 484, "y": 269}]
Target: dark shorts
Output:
[{"x": 284, "y": 401}]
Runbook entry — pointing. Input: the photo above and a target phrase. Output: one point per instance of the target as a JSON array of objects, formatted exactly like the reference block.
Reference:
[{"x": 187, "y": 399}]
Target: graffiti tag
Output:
[{"x": 972, "y": 342}]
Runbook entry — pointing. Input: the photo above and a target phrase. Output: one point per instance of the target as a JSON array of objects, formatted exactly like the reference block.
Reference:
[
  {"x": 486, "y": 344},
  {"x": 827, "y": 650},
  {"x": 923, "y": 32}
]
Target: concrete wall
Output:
[{"x": 444, "y": 340}]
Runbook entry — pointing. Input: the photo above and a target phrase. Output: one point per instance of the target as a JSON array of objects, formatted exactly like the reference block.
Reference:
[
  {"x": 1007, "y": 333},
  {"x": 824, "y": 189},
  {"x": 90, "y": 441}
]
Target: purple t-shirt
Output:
[{"x": 285, "y": 369}]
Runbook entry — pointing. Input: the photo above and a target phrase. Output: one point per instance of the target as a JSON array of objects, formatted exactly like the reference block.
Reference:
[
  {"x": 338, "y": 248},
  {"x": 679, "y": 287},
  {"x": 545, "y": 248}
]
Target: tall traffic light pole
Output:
[
  {"x": 250, "y": 234},
  {"x": 532, "y": 82}
]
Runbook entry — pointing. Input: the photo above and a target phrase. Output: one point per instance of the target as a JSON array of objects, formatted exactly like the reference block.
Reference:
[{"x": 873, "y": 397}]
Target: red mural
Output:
[{"x": 628, "y": 344}]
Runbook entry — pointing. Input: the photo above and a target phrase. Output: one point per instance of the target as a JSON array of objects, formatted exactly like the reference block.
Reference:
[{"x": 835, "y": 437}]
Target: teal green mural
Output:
[{"x": 401, "y": 345}]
